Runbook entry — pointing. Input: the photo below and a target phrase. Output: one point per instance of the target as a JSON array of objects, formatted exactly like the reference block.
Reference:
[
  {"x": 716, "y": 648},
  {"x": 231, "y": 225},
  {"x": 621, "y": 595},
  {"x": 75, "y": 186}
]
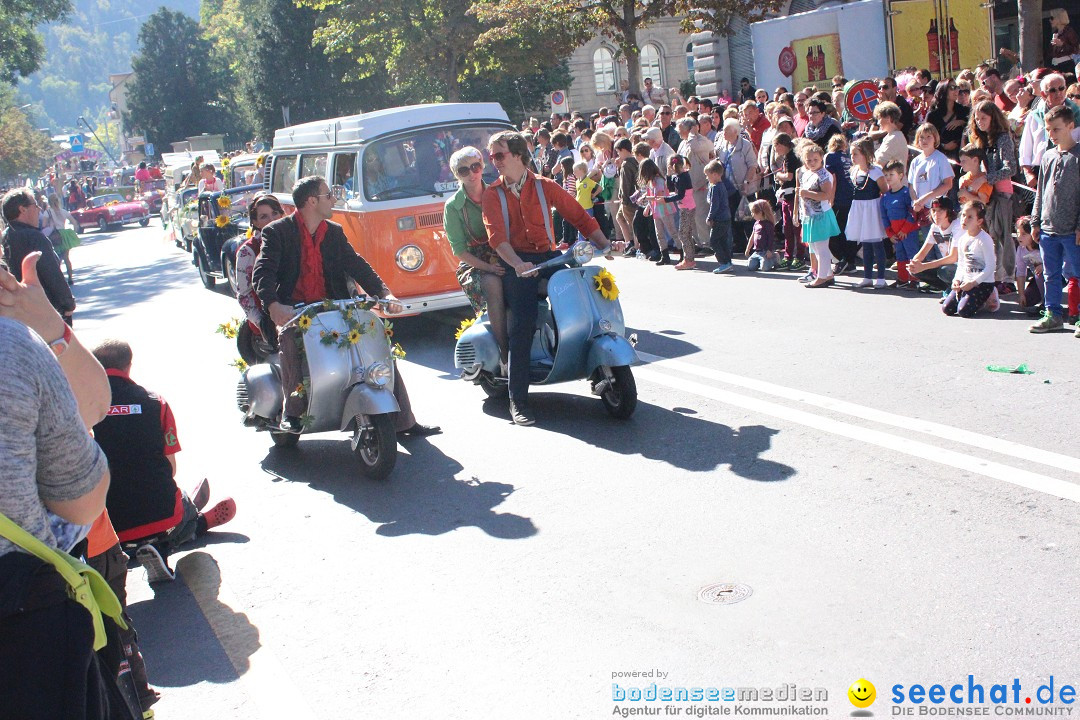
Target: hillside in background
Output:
[{"x": 98, "y": 38}]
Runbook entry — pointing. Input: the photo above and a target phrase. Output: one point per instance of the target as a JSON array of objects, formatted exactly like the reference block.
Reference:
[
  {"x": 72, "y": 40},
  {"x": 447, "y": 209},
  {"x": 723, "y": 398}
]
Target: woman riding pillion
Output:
[
  {"x": 480, "y": 270},
  {"x": 516, "y": 211}
]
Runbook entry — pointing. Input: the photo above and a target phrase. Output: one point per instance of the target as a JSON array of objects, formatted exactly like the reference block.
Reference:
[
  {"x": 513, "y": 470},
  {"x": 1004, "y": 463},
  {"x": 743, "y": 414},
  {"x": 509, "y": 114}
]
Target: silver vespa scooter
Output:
[{"x": 351, "y": 388}]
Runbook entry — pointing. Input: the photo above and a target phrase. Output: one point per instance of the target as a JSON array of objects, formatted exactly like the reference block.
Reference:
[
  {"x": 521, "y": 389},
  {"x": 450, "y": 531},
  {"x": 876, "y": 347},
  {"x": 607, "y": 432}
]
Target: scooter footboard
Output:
[
  {"x": 612, "y": 351},
  {"x": 366, "y": 400}
]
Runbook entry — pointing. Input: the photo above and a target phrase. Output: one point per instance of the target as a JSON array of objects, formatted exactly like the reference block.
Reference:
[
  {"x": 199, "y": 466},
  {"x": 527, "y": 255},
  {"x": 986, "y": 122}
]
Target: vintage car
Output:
[
  {"x": 223, "y": 225},
  {"x": 109, "y": 211},
  {"x": 153, "y": 194},
  {"x": 242, "y": 170},
  {"x": 180, "y": 215}
]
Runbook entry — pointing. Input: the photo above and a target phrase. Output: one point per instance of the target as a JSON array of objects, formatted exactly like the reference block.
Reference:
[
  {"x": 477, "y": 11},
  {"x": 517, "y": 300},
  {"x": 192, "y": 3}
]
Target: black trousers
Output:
[
  {"x": 521, "y": 299},
  {"x": 645, "y": 232}
]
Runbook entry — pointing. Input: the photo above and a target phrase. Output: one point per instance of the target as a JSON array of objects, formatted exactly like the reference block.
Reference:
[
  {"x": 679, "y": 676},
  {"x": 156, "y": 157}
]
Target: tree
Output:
[
  {"x": 517, "y": 95},
  {"x": 282, "y": 69},
  {"x": 24, "y": 150},
  {"x": 22, "y": 48},
  {"x": 429, "y": 43},
  {"x": 619, "y": 20},
  {"x": 1029, "y": 16},
  {"x": 177, "y": 88}
]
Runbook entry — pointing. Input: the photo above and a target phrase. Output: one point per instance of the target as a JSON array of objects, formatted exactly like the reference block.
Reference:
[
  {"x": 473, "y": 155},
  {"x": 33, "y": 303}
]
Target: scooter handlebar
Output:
[{"x": 341, "y": 304}]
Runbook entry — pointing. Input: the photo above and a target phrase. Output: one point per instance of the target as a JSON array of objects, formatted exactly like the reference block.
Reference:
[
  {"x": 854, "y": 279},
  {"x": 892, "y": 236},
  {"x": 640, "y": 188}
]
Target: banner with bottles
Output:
[
  {"x": 943, "y": 36},
  {"x": 818, "y": 59}
]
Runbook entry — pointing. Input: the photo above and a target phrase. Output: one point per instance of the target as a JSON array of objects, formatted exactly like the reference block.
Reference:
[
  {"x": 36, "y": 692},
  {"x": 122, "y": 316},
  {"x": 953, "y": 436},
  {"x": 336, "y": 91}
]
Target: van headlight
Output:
[
  {"x": 377, "y": 375},
  {"x": 410, "y": 258}
]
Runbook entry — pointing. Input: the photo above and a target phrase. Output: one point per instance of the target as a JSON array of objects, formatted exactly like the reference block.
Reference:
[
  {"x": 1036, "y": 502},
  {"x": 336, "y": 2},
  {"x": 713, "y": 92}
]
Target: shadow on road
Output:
[
  {"x": 187, "y": 634},
  {"x": 127, "y": 287},
  {"x": 674, "y": 437},
  {"x": 423, "y": 496}
]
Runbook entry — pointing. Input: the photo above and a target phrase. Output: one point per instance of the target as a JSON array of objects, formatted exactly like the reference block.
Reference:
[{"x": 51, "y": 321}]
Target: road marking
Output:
[
  {"x": 259, "y": 673},
  {"x": 945, "y": 432},
  {"x": 998, "y": 471}
]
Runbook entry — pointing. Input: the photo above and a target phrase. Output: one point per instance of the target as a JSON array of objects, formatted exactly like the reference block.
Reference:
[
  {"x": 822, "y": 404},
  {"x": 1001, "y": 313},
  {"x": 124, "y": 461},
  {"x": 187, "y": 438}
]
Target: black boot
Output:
[{"x": 665, "y": 259}]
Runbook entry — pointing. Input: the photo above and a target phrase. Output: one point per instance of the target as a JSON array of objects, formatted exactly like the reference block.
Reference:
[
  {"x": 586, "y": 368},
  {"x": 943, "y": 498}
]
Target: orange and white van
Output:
[{"x": 391, "y": 172}]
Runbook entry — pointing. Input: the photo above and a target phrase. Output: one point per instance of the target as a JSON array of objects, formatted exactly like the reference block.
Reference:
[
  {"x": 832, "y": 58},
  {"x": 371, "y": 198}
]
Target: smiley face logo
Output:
[{"x": 862, "y": 693}]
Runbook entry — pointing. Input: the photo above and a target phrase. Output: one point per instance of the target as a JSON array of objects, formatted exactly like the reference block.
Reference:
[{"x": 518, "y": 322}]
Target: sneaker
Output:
[
  {"x": 291, "y": 424},
  {"x": 220, "y": 514},
  {"x": 808, "y": 277},
  {"x": 993, "y": 302},
  {"x": 1077, "y": 333},
  {"x": 201, "y": 496},
  {"x": 784, "y": 264},
  {"x": 725, "y": 268},
  {"x": 1006, "y": 288},
  {"x": 156, "y": 568},
  {"x": 1072, "y": 320},
  {"x": 630, "y": 252},
  {"x": 838, "y": 268},
  {"x": 521, "y": 415},
  {"x": 797, "y": 264},
  {"x": 879, "y": 283},
  {"x": 866, "y": 283},
  {"x": 1048, "y": 323}
]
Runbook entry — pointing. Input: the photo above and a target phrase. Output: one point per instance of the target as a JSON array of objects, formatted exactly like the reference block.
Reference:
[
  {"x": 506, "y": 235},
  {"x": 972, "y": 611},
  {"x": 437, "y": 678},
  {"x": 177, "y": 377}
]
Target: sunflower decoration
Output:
[
  {"x": 605, "y": 284},
  {"x": 397, "y": 351},
  {"x": 353, "y": 337},
  {"x": 224, "y": 202},
  {"x": 221, "y": 220},
  {"x": 465, "y": 325},
  {"x": 304, "y": 323},
  {"x": 229, "y": 329},
  {"x": 250, "y": 233},
  {"x": 330, "y": 338},
  {"x": 224, "y": 162},
  {"x": 239, "y": 364},
  {"x": 260, "y": 161},
  {"x": 298, "y": 391},
  {"x": 388, "y": 329}
]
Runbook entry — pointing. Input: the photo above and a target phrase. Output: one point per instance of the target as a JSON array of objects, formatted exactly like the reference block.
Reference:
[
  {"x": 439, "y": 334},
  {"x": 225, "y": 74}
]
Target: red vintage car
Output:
[
  {"x": 153, "y": 193},
  {"x": 107, "y": 211}
]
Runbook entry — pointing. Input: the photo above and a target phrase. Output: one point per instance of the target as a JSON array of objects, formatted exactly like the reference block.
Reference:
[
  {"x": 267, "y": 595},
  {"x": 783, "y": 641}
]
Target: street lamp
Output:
[{"x": 103, "y": 145}]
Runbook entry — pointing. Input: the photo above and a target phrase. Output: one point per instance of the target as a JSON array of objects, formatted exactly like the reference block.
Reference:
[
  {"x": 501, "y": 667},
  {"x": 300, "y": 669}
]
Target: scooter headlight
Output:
[
  {"x": 583, "y": 252},
  {"x": 378, "y": 375}
]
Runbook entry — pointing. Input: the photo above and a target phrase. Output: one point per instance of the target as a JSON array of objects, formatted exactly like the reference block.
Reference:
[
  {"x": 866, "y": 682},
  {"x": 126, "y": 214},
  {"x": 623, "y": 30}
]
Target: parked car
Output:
[
  {"x": 181, "y": 213},
  {"x": 223, "y": 224},
  {"x": 112, "y": 210}
]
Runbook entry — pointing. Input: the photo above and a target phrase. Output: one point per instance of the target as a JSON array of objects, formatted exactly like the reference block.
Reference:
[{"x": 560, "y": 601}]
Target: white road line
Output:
[
  {"x": 945, "y": 432},
  {"x": 998, "y": 471}
]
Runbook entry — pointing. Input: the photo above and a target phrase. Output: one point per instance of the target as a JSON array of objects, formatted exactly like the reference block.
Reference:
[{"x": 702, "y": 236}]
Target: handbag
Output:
[{"x": 85, "y": 584}]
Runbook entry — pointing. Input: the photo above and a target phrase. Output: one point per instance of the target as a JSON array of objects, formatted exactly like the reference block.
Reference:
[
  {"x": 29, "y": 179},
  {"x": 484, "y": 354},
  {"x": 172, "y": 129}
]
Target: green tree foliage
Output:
[
  {"x": 22, "y": 49},
  {"x": 432, "y": 44},
  {"x": 24, "y": 150},
  {"x": 177, "y": 89},
  {"x": 618, "y": 20},
  {"x": 282, "y": 69},
  {"x": 518, "y": 95}
]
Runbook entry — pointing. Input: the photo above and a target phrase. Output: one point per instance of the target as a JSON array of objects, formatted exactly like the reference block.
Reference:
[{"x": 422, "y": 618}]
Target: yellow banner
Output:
[
  {"x": 819, "y": 60},
  {"x": 944, "y": 36}
]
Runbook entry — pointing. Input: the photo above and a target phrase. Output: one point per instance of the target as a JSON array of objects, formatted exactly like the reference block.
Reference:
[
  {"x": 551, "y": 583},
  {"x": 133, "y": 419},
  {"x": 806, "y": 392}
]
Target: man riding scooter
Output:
[
  {"x": 517, "y": 214},
  {"x": 306, "y": 258}
]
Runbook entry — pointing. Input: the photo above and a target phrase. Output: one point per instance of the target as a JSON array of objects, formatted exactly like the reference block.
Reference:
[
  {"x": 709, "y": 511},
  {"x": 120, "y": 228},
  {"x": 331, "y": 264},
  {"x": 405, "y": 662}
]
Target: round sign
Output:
[
  {"x": 557, "y": 97},
  {"x": 787, "y": 62},
  {"x": 860, "y": 99}
]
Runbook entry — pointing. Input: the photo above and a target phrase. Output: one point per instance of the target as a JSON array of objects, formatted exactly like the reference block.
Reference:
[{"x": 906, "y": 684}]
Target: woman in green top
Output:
[{"x": 480, "y": 270}]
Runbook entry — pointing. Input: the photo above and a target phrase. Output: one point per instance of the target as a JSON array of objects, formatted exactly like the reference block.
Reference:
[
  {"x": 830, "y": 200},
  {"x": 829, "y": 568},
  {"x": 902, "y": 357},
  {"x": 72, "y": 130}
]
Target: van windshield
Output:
[{"x": 418, "y": 164}]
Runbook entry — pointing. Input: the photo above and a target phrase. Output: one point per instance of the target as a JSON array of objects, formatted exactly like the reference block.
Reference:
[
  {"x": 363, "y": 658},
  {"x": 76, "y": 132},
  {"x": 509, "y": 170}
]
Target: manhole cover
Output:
[{"x": 724, "y": 593}]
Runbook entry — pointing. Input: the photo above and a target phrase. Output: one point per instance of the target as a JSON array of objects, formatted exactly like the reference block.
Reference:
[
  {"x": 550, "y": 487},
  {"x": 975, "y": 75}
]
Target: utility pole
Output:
[{"x": 103, "y": 145}]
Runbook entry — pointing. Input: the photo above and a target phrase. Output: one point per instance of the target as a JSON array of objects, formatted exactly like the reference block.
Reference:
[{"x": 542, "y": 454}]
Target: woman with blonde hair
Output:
[{"x": 1065, "y": 43}]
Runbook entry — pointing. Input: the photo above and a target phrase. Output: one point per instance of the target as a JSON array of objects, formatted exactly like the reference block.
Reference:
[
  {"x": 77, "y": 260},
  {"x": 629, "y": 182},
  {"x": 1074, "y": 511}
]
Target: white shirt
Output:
[
  {"x": 211, "y": 185},
  {"x": 946, "y": 239},
  {"x": 976, "y": 260}
]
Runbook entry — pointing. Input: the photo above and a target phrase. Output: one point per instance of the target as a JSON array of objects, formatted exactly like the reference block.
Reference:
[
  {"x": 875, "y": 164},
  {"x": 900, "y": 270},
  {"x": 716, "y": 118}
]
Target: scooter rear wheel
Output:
[
  {"x": 491, "y": 388},
  {"x": 620, "y": 397},
  {"x": 376, "y": 448}
]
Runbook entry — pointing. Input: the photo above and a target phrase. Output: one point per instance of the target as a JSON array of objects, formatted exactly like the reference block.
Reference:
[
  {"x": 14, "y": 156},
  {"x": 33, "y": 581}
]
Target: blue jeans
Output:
[
  {"x": 873, "y": 252},
  {"x": 758, "y": 261},
  {"x": 590, "y": 214},
  {"x": 520, "y": 294},
  {"x": 720, "y": 240},
  {"x": 1055, "y": 251}
]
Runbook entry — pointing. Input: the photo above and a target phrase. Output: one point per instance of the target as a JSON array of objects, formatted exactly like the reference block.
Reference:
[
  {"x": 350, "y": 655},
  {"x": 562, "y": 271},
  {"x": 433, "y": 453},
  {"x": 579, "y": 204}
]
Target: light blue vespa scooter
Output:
[{"x": 579, "y": 335}]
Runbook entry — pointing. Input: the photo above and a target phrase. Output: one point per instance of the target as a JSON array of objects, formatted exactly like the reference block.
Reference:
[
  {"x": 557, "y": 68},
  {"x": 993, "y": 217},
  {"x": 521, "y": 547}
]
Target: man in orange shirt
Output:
[{"x": 517, "y": 213}]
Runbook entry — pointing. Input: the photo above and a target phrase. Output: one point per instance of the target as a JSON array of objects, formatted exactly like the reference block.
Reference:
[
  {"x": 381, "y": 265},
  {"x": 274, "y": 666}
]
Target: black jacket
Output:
[
  {"x": 19, "y": 241},
  {"x": 277, "y": 269}
]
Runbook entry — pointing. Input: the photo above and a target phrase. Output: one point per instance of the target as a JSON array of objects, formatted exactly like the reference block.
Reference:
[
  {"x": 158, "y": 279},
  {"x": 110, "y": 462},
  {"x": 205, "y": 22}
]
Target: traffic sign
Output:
[
  {"x": 860, "y": 98},
  {"x": 148, "y": 149},
  {"x": 560, "y": 103},
  {"x": 787, "y": 62},
  {"x": 77, "y": 144}
]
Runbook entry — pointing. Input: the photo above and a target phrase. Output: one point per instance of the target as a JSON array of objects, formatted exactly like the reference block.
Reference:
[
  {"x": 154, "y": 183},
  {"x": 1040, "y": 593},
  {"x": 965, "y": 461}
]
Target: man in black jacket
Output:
[
  {"x": 22, "y": 237},
  {"x": 306, "y": 258}
]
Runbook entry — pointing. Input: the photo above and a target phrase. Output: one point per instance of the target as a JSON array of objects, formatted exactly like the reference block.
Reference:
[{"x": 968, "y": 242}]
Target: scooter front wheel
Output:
[
  {"x": 491, "y": 387},
  {"x": 376, "y": 447},
  {"x": 620, "y": 395},
  {"x": 284, "y": 439}
]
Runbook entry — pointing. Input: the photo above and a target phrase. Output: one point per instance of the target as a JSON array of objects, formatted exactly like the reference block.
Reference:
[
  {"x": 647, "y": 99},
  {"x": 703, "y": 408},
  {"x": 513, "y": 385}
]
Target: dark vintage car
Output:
[
  {"x": 223, "y": 225},
  {"x": 109, "y": 211}
]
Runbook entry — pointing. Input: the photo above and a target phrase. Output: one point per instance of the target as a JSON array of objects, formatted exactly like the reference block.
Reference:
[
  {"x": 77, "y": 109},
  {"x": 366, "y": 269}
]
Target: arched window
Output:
[
  {"x": 604, "y": 70},
  {"x": 650, "y": 64},
  {"x": 690, "y": 60}
]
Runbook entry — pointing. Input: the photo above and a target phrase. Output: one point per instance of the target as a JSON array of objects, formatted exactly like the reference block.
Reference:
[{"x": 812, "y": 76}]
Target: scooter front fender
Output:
[
  {"x": 366, "y": 400},
  {"x": 610, "y": 350}
]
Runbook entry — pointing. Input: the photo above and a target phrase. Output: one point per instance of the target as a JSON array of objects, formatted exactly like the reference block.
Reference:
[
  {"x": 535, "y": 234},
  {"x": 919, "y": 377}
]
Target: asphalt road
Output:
[{"x": 900, "y": 513}]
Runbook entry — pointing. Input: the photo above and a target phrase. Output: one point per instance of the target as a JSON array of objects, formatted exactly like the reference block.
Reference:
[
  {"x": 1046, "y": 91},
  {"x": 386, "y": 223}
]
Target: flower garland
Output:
[
  {"x": 465, "y": 325},
  {"x": 605, "y": 284}
]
